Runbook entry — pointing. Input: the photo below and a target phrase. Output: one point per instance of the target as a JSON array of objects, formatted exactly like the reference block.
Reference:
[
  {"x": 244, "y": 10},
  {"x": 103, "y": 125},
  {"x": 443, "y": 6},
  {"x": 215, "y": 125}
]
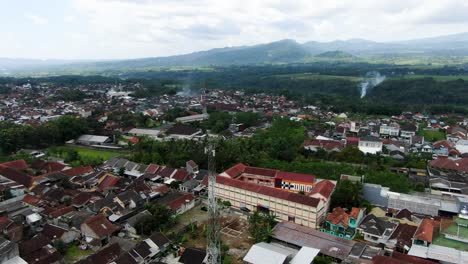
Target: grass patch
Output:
[
  {"x": 441, "y": 78},
  {"x": 74, "y": 253},
  {"x": 314, "y": 76},
  {"x": 89, "y": 153},
  {"x": 433, "y": 135}
]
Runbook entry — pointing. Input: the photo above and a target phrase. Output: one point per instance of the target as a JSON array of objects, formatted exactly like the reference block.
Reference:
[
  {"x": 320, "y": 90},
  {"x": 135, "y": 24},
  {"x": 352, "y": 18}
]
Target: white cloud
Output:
[
  {"x": 142, "y": 28},
  {"x": 38, "y": 20},
  {"x": 69, "y": 19}
]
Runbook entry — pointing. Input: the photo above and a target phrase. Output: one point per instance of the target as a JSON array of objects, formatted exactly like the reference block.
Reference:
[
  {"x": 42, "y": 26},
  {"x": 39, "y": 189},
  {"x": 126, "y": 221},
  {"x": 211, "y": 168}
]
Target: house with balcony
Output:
[{"x": 342, "y": 224}]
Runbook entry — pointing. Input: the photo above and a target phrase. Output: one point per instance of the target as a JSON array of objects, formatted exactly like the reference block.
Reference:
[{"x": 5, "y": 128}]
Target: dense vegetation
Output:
[
  {"x": 14, "y": 137},
  {"x": 279, "y": 147}
]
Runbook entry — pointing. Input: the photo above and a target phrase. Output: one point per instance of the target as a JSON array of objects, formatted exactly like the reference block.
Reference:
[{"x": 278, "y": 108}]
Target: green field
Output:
[
  {"x": 313, "y": 76},
  {"x": 433, "y": 136},
  {"x": 442, "y": 78},
  {"x": 90, "y": 153}
]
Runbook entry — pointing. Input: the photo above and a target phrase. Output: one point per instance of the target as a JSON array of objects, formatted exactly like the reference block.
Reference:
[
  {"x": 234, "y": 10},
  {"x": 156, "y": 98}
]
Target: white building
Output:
[{"x": 371, "y": 145}]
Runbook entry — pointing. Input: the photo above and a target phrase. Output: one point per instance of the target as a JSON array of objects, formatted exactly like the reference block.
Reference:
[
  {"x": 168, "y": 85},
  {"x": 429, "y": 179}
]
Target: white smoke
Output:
[
  {"x": 186, "y": 92},
  {"x": 371, "y": 80}
]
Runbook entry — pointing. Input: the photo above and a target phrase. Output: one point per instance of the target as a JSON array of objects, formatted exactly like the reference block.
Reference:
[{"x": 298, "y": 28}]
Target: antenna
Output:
[{"x": 213, "y": 250}]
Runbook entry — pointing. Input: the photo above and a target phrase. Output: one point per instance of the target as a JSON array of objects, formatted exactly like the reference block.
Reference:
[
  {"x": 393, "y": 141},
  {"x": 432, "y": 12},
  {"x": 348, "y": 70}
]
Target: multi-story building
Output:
[
  {"x": 266, "y": 190},
  {"x": 296, "y": 182},
  {"x": 392, "y": 130}
]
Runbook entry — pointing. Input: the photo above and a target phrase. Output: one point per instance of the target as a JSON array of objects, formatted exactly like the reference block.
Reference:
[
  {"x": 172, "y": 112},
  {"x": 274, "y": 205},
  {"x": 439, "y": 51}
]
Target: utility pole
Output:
[{"x": 213, "y": 250}]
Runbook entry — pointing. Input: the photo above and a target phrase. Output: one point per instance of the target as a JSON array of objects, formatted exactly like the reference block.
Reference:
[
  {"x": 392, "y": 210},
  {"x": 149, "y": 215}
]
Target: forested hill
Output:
[{"x": 443, "y": 49}]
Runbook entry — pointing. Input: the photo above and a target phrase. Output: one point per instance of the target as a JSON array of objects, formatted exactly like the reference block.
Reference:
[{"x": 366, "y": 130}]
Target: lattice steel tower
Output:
[{"x": 213, "y": 250}]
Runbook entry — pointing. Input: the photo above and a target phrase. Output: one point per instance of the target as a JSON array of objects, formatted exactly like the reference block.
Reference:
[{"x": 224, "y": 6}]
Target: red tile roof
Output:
[
  {"x": 53, "y": 166},
  {"x": 78, "y": 171},
  {"x": 442, "y": 143},
  {"x": 166, "y": 172},
  {"x": 181, "y": 200},
  {"x": 82, "y": 198},
  {"x": 53, "y": 232},
  {"x": 152, "y": 168},
  {"x": 298, "y": 177},
  {"x": 108, "y": 181},
  {"x": 16, "y": 164},
  {"x": 4, "y": 222},
  {"x": 61, "y": 211},
  {"x": 460, "y": 165},
  {"x": 192, "y": 163},
  {"x": 162, "y": 189},
  {"x": 328, "y": 145},
  {"x": 425, "y": 231},
  {"x": 407, "y": 259},
  {"x": 260, "y": 171},
  {"x": 32, "y": 200},
  {"x": 17, "y": 176},
  {"x": 180, "y": 175},
  {"x": 338, "y": 217},
  {"x": 355, "y": 212},
  {"x": 324, "y": 188},
  {"x": 236, "y": 170},
  {"x": 100, "y": 225},
  {"x": 268, "y": 191}
]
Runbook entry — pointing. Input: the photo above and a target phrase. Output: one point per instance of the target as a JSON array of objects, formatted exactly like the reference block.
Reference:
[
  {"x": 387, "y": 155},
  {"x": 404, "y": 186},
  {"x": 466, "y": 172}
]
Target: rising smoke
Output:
[
  {"x": 186, "y": 92},
  {"x": 371, "y": 80}
]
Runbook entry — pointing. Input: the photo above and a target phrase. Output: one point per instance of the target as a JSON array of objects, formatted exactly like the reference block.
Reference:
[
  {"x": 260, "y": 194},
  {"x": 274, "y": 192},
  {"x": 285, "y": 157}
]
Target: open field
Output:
[
  {"x": 313, "y": 76},
  {"x": 442, "y": 78},
  {"x": 92, "y": 153}
]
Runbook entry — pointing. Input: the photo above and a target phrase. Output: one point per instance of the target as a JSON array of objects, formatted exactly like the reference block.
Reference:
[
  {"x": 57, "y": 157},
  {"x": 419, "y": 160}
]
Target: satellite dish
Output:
[{"x": 464, "y": 211}]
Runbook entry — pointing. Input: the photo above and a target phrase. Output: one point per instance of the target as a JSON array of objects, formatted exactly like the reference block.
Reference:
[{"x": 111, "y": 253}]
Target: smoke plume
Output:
[{"x": 371, "y": 80}]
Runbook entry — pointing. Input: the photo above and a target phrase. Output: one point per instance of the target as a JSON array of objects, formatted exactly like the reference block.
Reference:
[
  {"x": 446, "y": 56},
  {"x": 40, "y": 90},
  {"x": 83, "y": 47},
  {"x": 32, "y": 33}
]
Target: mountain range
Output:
[{"x": 283, "y": 51}]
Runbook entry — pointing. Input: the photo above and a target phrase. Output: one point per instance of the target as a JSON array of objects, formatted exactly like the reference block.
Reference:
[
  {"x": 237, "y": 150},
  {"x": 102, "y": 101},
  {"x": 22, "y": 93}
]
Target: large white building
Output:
[{"x": 371, "y": 145}]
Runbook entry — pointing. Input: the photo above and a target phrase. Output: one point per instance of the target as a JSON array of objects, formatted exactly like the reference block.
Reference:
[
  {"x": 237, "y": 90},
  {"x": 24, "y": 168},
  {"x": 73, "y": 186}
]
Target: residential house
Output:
[
  {"x": 93, "y": 140},
  {"x": 54, "y": 233},
  {"x": 106, "y": 255},
  {"x": 193, "y": 256},
  {"x": 97, "y": 230},
  {"x": 189, "y": 186},
  {"x": 131, "y": 222},
  {"x": 265, "y": 253},
  {"x": 340, "y": 223},
  {"x": 182, "y": 131},
  {"x": 390, "y": 130},
  {"x": 376, "y": 230},
  {"x": 191, "y": 167},
  {"x": 370, "y": 145},
  {"x": 407, "y": 132},
  {"x": 8, "y": 250},
  {"x": 149, "y": 249},
  {"x": 401, "y": 238},
  {"x": 38, "y": 250}
]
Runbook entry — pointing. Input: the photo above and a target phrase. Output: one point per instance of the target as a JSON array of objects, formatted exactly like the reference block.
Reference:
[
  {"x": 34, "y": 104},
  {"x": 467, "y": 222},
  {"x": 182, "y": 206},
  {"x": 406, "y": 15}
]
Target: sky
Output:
[{"x": 119, "y": 29}]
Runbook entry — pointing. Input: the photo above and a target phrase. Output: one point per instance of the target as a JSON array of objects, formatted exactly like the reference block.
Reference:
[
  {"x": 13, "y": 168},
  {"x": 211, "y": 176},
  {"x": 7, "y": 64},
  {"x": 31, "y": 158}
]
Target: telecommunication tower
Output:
[{"x": 213, "y": 250}]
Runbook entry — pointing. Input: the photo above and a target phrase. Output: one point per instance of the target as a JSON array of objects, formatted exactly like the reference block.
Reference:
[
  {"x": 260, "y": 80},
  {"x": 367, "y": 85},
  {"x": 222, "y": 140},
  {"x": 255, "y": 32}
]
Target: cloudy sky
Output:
[{"x": 109, "y": 29}]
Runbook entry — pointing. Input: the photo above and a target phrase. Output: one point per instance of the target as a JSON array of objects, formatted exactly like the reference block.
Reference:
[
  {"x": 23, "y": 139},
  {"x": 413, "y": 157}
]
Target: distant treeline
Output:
[{"x": 340, "y": 94}]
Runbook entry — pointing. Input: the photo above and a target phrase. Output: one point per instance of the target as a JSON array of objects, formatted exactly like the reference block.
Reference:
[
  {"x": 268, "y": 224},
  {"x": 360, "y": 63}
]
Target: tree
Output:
[
  {"x": 347, "y": 194},
  {"x": 161, "y": 218},
  {"x": 61, "y": 246},
  {"x": 322, "y": 260},
  {"x": 261, "y": 226},
  {"x": 122, "y": 171}
]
